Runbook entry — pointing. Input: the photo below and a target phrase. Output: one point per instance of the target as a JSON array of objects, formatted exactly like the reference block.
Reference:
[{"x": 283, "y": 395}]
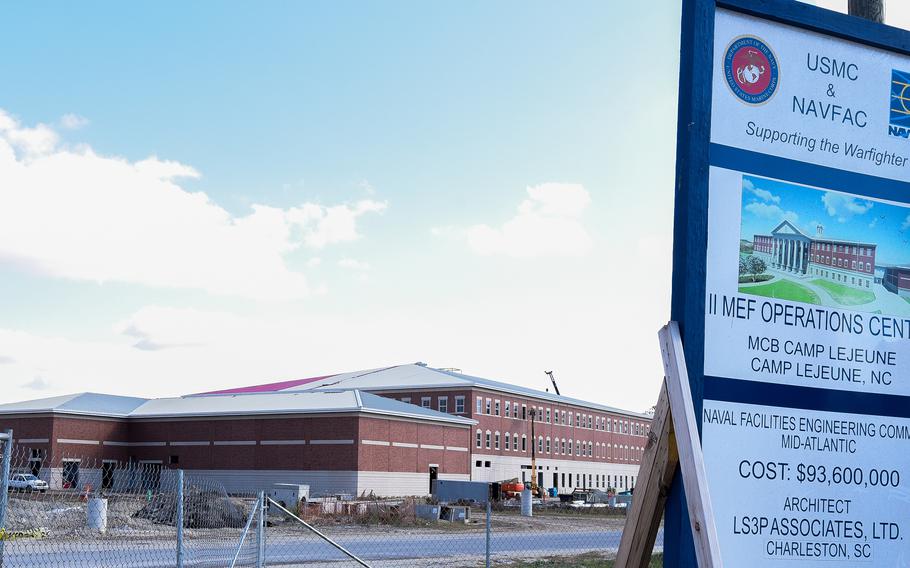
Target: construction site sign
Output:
[{"x": 792, "y": 282}]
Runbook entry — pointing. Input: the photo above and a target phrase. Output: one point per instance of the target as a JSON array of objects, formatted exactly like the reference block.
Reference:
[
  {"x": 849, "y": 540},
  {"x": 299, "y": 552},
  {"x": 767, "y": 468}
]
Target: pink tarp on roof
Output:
[{"x": 269, "y": 387}]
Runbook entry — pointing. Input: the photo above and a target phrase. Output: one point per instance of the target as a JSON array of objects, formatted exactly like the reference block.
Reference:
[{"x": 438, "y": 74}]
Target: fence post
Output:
[
  {"x": 489, "y": 527},
  {"x": 180, "y": 507},
  {"x": 7, "y": 440},
  {"x": 260, "y": 532}
]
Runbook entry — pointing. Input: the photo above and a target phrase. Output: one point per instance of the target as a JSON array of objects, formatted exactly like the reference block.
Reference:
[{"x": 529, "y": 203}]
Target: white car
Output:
[{"x": 26, "y": 482}]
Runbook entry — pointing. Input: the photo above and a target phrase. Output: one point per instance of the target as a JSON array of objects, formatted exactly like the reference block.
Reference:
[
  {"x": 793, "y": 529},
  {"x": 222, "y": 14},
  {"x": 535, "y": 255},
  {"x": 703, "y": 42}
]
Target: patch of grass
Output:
[
  {"x": 845, "y": 295},
  {"x": 587, "y": 560},
  {"x": 783, "y": 290},
  {"x": 906, "y": 298}
]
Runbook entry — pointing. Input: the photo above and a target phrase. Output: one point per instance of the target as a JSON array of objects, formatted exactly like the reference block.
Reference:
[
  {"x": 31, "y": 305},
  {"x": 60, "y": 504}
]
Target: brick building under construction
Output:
[{"x": 389, "y": 431}]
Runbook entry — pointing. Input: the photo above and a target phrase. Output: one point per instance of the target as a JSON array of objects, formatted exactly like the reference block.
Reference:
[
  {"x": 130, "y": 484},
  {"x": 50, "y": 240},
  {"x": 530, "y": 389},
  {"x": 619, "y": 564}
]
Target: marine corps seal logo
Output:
[{"x": 751, "y": 70}]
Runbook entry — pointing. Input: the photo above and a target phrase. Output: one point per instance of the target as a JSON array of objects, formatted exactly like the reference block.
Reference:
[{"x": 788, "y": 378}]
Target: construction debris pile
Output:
[{"x": 202, "y": 510}]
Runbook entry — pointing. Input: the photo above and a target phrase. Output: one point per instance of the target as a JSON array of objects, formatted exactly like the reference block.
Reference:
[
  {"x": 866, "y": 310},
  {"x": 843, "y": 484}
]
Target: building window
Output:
[
  {"x": 508, "y": 441},
  {"x": 548, "y": 416},
  {"x": 524, "y": 443},
  {"x": 514, "y": 410},
  {"x": 868, "y": 267},
  {"x": 562, "y": 417},
  {"x": 479, "y": 405},
  {"x": 562, "y": 446},
  {"x": 540, "y": 444},
  {"x": 425, "y": 402},
  {"x": 459, "y": 404},
  {"x": 479, "y": 438},
  {"x": 489, "y": 435},
  {"x": 443, "y": 404},
  {"x": 508, "y": 409},
  {"x": 515, "y": 442},
  {"x": 548, "y": 444},
  {"x": 524, "y": 416},
  {"x": 496, "y": 408},
  {"x": 570, "y": 446},
  {"x": 853, "y": 265},
  {"x": 497, "y": 440},
  {"x": 590, "y": 423},
  {"x": 489, "y": 406}
]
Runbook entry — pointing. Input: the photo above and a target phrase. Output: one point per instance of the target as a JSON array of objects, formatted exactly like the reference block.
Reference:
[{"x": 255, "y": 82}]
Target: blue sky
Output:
[
  {"x": 197, "y": 195},
  {"x": 486, "y": 162},
  {"x": 767, "y": 202}
]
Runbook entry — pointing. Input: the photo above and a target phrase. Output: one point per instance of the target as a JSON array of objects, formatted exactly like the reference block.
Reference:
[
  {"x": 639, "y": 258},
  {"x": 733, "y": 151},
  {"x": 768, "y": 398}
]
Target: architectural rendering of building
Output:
[
  {"x": 788, "y": 249},
  {"x": 897, "y": 279},
  {"x": 390, "y": 431}
]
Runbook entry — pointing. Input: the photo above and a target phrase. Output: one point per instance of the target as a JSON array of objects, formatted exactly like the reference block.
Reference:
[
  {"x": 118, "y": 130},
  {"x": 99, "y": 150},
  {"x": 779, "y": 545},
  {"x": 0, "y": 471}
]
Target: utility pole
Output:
[
  {"x": 869, "y": 9},
  {"x": 533, "y": 415}
]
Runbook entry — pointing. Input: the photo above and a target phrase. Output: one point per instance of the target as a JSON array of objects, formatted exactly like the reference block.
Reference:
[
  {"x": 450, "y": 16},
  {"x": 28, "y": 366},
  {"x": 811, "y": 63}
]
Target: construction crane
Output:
[{"x": 553, "y": 380}]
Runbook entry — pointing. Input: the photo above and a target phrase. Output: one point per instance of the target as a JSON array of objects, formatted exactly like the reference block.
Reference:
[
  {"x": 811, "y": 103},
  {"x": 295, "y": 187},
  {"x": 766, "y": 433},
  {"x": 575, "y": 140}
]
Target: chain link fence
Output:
[
  {"x": 73, "y": 511},
  {"x": 420, "y": 533}
]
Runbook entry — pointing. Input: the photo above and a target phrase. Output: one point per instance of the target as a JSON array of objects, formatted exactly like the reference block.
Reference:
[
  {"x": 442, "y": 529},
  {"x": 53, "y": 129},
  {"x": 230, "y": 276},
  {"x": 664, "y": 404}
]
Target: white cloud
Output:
[
  {"x": 207, "y": 350},
  {"x": 772, "y": 212},
  {"x": 314, "y": 262},
  {"x": 844, "y": 207},
  {"x": 366, "y": 186},
  {"x": 72, "y": 121},
  {"x": 548, "y": 223},
  {"x": 38, "y": 383},
  {"x": 906, "y": 224},
  {"x": 353, "y": 264},
  {"x": 762, "y": 194},
  {"x": 323, "y": 226},
  {"x": 27, "y": 141},
  {"x": 79, "y": 215}
]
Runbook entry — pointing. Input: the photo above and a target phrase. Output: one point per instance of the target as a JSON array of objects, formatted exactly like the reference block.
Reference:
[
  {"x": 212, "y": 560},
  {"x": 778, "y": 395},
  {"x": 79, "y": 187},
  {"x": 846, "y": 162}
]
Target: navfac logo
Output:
[
  {"x": 751, "y": 70},
  {"x": 899, "y": 117}
]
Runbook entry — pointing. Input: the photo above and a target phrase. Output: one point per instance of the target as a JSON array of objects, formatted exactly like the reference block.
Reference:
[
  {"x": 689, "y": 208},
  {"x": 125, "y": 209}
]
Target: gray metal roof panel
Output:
[
  {"x": 420, "y": 376},
  {"x": 287, "y": 402},
  {"x": 80, "y": 403}
]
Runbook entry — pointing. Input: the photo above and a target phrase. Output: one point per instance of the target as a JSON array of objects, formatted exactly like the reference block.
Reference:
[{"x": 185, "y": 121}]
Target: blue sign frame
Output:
[{"x": 695, "y": 154}]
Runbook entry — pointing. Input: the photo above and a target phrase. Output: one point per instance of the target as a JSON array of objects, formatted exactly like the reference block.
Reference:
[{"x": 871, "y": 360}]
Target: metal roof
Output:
[
  {"x": 288, "y": 402},
  {"x": 243, "y": 404},
  {"x": 418, "y": 375},
  {"x": 80, "y": 403}
]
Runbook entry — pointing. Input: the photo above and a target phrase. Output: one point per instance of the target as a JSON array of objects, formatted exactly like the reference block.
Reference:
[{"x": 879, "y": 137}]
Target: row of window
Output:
[
  {"x": 838, "y": 277},
  {"x": 559, "y": 446},
  {"x": 840, "y": 262},
  {"x": 596, "y": 480},
  {"x": 442, "y": 403},
  {"x": 865, "y": 251},
  {"x": 492, "y": 407}
]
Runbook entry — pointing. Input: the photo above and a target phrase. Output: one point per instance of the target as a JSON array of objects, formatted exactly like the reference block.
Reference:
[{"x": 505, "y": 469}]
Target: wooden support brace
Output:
[{"x": 673, "y": 441}]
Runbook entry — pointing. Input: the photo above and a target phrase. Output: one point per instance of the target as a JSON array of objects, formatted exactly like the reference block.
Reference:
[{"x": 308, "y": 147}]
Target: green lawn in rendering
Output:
[
  {"x": 845, "y": 295},
  {"x": 783, "y": 290}
]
